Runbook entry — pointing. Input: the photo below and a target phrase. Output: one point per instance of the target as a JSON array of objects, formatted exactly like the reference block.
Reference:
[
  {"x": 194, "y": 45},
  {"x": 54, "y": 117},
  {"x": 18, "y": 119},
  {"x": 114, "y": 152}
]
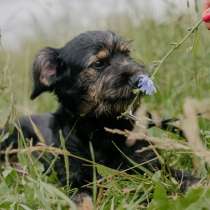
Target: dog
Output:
[{"x": 93, "y": 77}]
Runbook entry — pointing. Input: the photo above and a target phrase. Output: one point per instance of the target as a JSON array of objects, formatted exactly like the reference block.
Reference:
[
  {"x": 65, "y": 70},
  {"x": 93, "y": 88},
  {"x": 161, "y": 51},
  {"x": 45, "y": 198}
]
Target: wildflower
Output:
[{"x": 146, "y": 85}]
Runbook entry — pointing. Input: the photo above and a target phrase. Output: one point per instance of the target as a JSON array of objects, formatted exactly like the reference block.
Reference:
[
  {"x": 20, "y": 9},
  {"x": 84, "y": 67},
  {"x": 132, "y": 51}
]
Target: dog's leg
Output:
[
  {"x": 149, "y": 159},
  {"x": 31, "y": 128},
  {"x": 141, "y": 154},
  {"x": 83, "y": 201},
  {"x": 185, "y": 179},
  {"x": 80, "y": 167}
]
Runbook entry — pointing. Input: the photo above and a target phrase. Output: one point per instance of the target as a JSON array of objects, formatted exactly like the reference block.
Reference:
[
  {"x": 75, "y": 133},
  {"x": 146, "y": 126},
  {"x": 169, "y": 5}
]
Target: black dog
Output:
[{"x": 93, "y": 77}]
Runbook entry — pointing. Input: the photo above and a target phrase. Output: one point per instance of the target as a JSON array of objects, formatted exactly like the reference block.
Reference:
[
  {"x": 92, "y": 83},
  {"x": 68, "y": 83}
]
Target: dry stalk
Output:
[{"x": 191, "y": 129}]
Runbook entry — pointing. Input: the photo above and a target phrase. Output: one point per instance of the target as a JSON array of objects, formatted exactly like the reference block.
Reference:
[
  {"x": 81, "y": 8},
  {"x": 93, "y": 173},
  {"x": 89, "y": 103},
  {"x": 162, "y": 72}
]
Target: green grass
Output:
[{"x": 186, "y": 73}]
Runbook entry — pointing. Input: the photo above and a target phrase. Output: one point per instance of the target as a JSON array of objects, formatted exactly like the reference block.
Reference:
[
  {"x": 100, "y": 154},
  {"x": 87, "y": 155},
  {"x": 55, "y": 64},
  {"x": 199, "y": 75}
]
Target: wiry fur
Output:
[{"x": 93, "y": 77}]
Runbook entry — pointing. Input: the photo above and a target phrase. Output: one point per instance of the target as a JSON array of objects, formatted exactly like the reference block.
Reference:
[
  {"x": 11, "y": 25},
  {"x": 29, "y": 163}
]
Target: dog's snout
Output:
[{"x": 134, "y": 81}]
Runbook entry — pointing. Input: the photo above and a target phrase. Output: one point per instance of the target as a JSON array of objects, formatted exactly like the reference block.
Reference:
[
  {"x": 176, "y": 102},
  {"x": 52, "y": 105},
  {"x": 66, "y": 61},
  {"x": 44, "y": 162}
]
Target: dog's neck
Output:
[{"x": 69, "y": 117}]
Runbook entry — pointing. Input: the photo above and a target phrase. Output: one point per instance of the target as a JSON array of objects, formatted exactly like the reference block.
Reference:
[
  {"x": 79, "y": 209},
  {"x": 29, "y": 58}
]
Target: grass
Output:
[{"x": 185, "y": 74}]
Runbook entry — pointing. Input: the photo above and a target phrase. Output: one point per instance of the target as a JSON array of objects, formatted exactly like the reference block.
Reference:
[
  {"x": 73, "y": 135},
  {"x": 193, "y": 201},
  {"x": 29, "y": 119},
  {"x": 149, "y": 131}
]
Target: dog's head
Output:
[{"x": 92, "y": 73}]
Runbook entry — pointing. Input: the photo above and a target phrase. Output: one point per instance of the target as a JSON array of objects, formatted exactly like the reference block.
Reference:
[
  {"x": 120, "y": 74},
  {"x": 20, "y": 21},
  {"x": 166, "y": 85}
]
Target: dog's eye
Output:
[{"x": 100, "y": 64}]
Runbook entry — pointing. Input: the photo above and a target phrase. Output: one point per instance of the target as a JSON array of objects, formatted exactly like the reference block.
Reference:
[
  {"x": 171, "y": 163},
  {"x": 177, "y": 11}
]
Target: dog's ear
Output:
[{"x": 45, "y": 70}]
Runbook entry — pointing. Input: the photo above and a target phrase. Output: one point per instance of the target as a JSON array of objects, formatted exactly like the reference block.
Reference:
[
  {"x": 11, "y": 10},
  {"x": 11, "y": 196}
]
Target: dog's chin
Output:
[
  {"x": 130, "y": 101},
  {"x": 118, "y": 106}
]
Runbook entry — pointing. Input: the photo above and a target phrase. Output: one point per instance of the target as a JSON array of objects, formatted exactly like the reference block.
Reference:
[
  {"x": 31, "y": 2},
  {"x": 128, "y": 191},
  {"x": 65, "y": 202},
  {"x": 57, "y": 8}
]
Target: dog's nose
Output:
[{"x": 134, "y": 81}]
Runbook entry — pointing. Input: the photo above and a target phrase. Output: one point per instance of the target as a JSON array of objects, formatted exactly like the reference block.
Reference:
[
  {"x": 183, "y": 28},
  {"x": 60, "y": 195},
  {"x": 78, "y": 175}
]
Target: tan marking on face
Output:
[
  {"x": 88, "y": 74},
  {"x": 102, "y": 54},
  {"x": 123, "y": 47},
  {"x": 92, "y": 60},
  {"x": 92, "y": 93}
]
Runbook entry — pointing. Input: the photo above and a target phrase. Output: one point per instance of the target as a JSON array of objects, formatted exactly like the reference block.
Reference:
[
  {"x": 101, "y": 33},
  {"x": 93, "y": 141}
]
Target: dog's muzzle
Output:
[
  {"x": 144, "y": 83},
  {"x": 134, "y": 81}
]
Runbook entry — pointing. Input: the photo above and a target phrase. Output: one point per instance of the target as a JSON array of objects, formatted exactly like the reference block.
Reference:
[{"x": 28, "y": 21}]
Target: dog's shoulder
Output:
[{"x": 39, "y": 126}]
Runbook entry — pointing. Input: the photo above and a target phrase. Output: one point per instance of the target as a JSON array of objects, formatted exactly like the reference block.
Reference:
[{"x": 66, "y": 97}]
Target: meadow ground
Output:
[{"x": 186, "y": 73}]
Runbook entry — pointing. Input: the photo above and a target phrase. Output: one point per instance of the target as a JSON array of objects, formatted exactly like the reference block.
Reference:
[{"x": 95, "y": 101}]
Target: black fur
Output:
[{"x": 93, "y": 77}]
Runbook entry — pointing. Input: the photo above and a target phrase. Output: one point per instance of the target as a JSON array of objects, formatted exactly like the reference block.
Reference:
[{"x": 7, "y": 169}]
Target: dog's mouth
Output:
[
  {"x": 118, "y": 104},
  {"x": 131, "y": 95},
  {"x": 128, "y": 96}
]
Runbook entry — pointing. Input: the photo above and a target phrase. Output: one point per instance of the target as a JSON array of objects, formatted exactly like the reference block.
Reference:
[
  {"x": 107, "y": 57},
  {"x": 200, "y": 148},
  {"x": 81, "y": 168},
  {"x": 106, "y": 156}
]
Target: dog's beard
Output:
[{"x": 118, "y": 103}]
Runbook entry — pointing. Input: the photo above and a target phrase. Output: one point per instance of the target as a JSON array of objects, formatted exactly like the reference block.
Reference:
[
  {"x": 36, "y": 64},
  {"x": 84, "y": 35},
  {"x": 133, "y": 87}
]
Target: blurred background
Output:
[
  {"x": 59, "y": 19},
  {"x": 154, "y": 25}
]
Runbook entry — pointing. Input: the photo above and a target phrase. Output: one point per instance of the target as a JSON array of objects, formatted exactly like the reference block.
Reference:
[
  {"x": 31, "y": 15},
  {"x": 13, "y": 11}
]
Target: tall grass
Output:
[{"x": 186, "y": 73}]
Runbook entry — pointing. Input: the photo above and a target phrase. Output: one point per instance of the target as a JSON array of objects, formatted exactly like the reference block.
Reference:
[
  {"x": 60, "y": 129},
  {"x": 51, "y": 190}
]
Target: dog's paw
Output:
[
  {"x": 83, "y": 201},
  {"x": 189, "y": 182}
]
